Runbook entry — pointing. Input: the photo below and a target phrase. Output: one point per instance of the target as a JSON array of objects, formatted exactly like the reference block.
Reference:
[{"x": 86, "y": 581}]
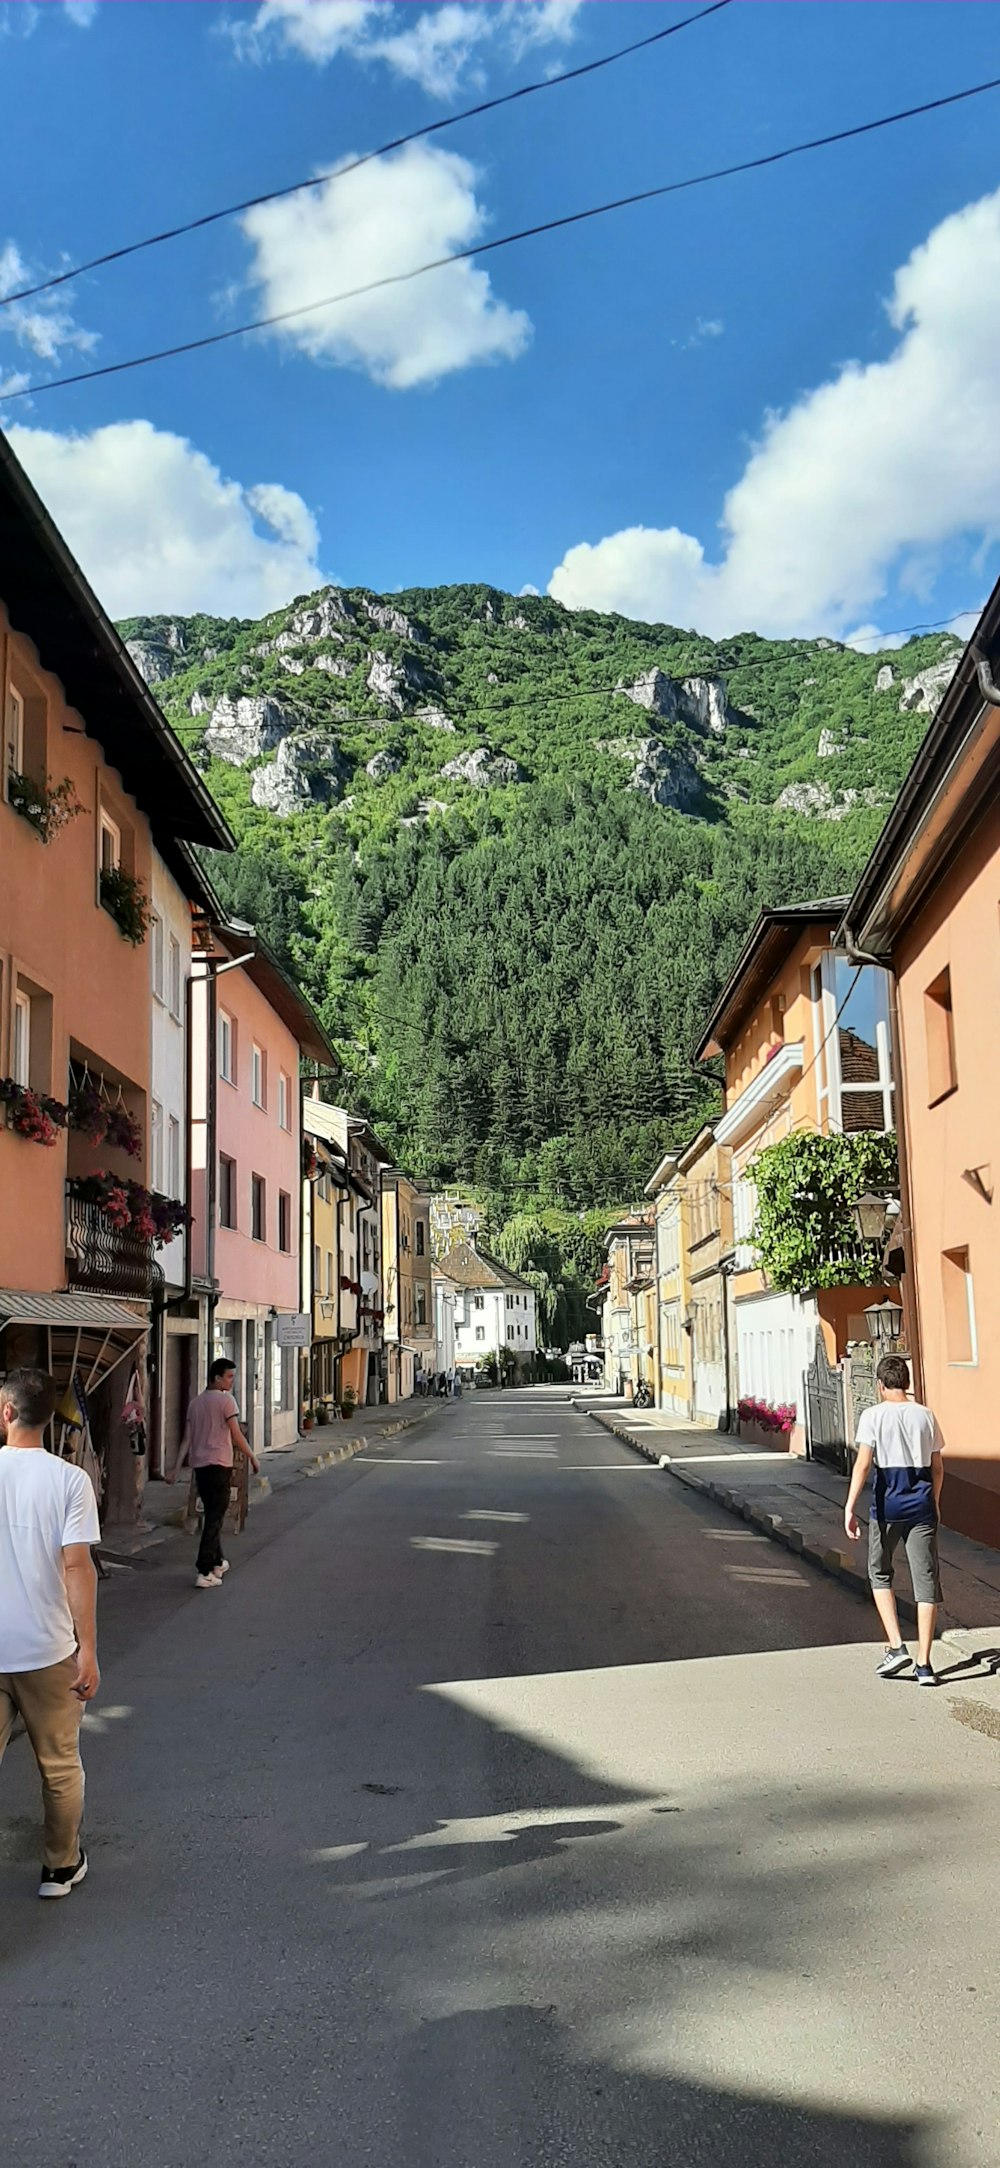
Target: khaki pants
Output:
[{"x": 50, "y": 1713}]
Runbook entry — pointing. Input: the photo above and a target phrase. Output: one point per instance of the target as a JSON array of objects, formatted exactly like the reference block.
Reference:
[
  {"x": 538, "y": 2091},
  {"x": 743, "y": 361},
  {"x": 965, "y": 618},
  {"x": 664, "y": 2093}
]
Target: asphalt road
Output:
[{"x": 508, "y": 1808}]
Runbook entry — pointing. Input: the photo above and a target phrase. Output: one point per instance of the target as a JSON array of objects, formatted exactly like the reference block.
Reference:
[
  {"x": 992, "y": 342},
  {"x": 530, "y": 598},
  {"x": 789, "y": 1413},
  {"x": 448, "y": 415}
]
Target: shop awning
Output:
[
  {"x": 87, "y": 1336},
  {"x": 20, "y": 1307}
]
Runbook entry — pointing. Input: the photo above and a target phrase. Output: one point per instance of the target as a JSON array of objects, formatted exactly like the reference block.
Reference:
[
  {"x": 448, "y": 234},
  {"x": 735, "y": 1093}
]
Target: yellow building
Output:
[
  {"x": 407, "y": 1298},
  {"x": 629, "y": 1304},
  {"x": 673, "y": 1347}
]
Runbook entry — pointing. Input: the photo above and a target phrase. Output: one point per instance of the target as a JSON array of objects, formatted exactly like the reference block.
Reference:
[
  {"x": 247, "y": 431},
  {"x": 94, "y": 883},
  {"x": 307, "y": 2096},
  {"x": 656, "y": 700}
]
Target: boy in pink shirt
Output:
[{"x": 211, "y": 1435}]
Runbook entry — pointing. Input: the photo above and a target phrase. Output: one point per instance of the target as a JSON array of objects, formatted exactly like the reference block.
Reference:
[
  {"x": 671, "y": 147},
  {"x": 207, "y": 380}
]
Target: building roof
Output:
[
  {"x": 772, "y": 940},
  {"x": 50, "y": 602},
  {"x": 661, "y": 1174},
  {"x": 955, "y": 776},
  {"x": 471, "y": 1267}
]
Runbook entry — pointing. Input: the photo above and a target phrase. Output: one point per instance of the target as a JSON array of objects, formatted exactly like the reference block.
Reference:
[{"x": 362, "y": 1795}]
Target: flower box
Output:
[{"x": 767, "y": 1426}]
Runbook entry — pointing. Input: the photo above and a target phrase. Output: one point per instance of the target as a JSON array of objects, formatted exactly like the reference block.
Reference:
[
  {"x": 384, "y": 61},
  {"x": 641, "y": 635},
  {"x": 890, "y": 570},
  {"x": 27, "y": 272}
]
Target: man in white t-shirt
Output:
[
  {"x": 48, "y": 1614},
  {"x": 899, "y": 1446}
]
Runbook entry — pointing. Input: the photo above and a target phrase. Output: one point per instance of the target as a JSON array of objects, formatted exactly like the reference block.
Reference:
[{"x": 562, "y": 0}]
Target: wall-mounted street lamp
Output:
[
  {"x": 870, "y": 1213},
  {"x": 884, "y": 1321}
]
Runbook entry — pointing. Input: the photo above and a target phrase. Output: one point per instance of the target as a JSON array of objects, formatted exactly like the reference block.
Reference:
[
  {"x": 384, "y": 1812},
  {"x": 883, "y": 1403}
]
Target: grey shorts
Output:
[{"x": 921, "y": 1546}]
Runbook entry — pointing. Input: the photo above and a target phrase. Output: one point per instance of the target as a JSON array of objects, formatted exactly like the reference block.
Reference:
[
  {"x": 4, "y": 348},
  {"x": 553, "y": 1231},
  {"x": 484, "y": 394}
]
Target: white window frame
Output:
[
  {"x": 832, "y": 1091},
  {"x": 258, "y": 1075},
  {"x": 284, "y": 1100},
  {"x": 20, "y": 1045},
  {"x": 156, "y": 1146},
  {"x": 110, "y": 860},
  {"x": 14, "y": 763},
  {"x": 156, "y": 954},
  {"x": 173, "y": 1156},
  {"x": 254, "y": 1179},
  {"x": 175, "y": 977},
  {"x": 227, "y": 1047}
]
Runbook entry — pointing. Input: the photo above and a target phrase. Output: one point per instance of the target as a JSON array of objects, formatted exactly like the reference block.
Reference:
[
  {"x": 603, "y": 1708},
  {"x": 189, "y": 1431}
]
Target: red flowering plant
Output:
[
  {"x": 122, "y": 1131},
  {"x": 87, "y": 1108},
  {"x": 32, "y": 1114},
  {"x": 763, "y": 1416},
  {"x": 130, "y": 1208}
]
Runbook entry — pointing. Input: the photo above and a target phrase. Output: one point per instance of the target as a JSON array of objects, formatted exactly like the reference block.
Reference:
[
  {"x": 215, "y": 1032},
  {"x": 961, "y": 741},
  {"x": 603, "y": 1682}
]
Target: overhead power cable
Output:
[
  {"x": 338, "y": 173},
  {"x": 505, "y": 240}
]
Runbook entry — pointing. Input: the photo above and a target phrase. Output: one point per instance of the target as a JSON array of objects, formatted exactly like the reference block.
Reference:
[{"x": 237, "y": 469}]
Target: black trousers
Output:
[{"x": 213, "y": 1485}]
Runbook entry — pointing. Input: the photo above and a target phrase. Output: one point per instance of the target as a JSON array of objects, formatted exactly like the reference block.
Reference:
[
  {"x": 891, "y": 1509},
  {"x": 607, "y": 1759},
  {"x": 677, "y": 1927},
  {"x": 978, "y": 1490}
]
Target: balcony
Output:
[{"x": 106, "y": 1259}]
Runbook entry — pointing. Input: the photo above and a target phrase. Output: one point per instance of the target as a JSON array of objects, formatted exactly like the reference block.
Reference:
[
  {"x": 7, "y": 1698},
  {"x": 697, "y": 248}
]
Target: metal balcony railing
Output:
[{"x": 108, "y": 1260}]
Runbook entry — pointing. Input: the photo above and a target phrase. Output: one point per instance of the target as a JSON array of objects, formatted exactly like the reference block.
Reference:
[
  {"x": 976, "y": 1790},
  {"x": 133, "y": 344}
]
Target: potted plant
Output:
[
  {"x": 348, "y": 1402},
  {"x": 125, "y": 898},
  {"x": 322, "y": 1412},
  {"x": 308, "y": 1414},
  {"x": 32, "y": 1114},
  {"x": 46, "y": 806}
]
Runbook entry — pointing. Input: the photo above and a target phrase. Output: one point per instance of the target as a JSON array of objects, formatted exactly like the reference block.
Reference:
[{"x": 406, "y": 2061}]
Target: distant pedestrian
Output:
[
  {"x": 899, "y": 1445},
  {"x": 212, "y": 1436},
  {"x": 48, "y": 1614}
]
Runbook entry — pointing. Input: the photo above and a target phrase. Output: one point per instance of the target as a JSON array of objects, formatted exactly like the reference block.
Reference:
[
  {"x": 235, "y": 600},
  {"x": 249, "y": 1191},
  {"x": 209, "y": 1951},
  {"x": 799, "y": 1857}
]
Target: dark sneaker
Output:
[
  {"x": 893, "y": 1662},
  {"x": 926, "y": 1675},
  {"x": 58, "y": 1881}
]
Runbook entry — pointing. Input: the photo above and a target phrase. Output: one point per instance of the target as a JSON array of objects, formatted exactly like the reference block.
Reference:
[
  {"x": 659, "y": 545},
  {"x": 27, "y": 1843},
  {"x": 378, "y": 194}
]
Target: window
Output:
[
  {"x": 855, "y": 1067},
  {"x": 284, "y": 1100},
  {"x": 259, "y": 1063},
  {"x": 174, "y": 977},
  {"x": 421, "y": 1239},
  {"x": 284, "y": 1220},
  {"x": 110, "y": 844},
  {"x": 282, "y": 1377},
  {"x": 317, "y": 1270},
  {"x": 480, "y": 1332},
  {"x": 156, "y": 955},
  {"x": 173, "y": 1156},
  {"x": 420, "y": 1314},
  {"x": 227, "y": 1191},
  {"x": 477, "y": 1302},
  {"x": 670, "y": 1335},
  {"x": 21, "y": 1047},
  {"x": 14, "y": 763},
  {"x": 959, "y": 1307},
  {"x": 329, "y": 1273},
  {"x": 227, "y": 1047},
  {"x": 939, "y": 1024},
  {"x": 156, "y": 1144},
  {"x": 744, "y": 1216},
  {"x": 258, "y": 1208}
]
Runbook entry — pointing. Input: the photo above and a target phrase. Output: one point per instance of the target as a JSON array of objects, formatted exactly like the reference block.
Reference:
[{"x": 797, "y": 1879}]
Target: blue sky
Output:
[{"x": 774, "y": 402}]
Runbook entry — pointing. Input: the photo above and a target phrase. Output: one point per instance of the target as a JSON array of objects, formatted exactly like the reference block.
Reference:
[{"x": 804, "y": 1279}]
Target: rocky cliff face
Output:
[{"x": 342, "y": 700}]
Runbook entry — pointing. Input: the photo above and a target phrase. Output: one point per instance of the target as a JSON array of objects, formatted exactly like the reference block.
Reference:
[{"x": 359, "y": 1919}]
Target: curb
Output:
[{"x": 838, "y": 1564}]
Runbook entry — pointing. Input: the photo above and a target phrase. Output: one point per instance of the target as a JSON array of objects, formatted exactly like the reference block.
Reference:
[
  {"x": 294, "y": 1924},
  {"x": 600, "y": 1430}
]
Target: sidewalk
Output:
[
  {"x": 799, "y": 1503},
  {"x": 164, "y": 1505}
]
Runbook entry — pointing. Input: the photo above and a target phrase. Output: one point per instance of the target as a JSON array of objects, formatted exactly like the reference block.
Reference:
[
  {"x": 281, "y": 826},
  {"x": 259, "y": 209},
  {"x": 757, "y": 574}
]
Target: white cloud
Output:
[
  {"x": 863, "y": 480},
  {"x": 157, "y": 527},
  {"x": 384, "y": 219},
  {"x": 437, "y": 48},
  {"x": 81, "y": 12},
  {"x": 45, "y": 324},
  {"x": 19, "y": 18}
]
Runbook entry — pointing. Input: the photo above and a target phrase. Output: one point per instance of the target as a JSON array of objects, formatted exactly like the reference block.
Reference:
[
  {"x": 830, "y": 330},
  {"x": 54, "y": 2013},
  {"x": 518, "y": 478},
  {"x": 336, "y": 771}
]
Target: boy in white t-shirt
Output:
[
  {"x": 899, "y": 1445},
  {"x": 48, "y": 1613}
]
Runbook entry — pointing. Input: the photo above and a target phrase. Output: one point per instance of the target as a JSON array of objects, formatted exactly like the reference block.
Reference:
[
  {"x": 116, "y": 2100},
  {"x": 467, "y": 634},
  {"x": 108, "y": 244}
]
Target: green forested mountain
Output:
[{"x": 512, "y": 850}]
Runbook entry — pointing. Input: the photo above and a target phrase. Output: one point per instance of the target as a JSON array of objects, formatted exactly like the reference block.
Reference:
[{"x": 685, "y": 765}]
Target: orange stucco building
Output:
[
  {"x": 806, "y": 1038},
  {"x": 75, "y": 998},
  {"x": 928, "y": 904}
]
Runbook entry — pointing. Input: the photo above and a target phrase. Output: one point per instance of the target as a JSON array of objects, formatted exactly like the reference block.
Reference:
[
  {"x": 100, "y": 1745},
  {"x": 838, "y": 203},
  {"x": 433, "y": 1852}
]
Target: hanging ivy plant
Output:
[
  {"x": 806, "y": 1185},
  {"x": 126, "y": 899}
]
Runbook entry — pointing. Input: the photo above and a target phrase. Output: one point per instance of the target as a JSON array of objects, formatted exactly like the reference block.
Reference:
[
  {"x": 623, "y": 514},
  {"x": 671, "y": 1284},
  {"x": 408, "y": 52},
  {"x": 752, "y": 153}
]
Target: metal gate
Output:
[{"x": 826, "y": 1412}]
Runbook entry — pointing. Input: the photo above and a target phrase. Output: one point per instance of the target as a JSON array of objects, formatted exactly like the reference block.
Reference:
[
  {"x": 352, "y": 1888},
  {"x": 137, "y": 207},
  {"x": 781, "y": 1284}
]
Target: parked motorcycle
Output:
[{"x": 642, "y": 1397}]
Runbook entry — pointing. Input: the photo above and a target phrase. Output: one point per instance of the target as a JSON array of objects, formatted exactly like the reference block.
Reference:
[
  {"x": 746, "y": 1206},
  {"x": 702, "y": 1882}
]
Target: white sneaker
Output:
[
  {"x": 220, "y": 1569},
  {"x": 206, "y": 1580},
  {"x": 58, "y": 1881}
]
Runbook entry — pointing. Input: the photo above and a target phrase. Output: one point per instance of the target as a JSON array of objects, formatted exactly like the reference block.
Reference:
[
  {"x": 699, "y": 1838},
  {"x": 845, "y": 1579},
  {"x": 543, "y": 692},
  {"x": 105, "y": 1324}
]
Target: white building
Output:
[
  {"x": 445, "y": 1302},
  {"x": 494, "y": 1309},
  {"x": 175, "y": 1367}
]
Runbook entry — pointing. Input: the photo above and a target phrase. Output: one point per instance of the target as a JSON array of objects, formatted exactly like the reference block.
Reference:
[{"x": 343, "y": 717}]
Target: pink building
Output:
[{"x": 251, "y": 1029}]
